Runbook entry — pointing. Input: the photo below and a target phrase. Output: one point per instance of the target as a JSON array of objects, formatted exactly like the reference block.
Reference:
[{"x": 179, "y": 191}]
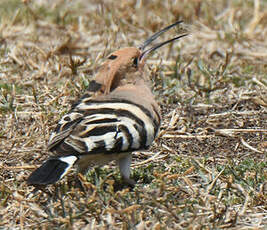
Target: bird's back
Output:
[{"x": 122, "y": 121}]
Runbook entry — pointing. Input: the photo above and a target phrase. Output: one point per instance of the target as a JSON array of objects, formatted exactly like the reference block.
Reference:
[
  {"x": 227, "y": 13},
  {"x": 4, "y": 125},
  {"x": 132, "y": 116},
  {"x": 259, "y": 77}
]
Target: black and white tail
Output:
[{"x": 52, "y": 170}]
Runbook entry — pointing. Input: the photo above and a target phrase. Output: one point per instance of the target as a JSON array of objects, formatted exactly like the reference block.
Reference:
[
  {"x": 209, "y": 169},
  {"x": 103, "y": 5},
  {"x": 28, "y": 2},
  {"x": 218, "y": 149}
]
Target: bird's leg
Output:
[{"x": 125, "y": 170}]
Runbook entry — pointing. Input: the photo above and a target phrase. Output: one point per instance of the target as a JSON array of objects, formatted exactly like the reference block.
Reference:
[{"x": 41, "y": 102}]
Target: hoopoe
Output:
[{"x": 120, "y": 117}]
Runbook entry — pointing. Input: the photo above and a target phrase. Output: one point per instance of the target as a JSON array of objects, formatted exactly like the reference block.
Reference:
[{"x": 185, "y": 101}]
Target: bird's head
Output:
[{"x": 125, "y": 66}]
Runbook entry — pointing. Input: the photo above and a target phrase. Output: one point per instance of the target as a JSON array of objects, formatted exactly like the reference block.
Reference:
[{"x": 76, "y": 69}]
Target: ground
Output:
[{"x": 206, "y": 170}]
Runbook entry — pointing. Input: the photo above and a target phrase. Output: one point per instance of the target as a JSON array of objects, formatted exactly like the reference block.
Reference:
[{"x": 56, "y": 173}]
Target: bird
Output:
[{"x": 116, "y": 116}]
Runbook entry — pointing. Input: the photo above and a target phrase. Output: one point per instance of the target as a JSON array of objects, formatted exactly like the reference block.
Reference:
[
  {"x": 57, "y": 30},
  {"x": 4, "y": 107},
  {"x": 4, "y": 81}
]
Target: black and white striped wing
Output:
[{"x": 104, "y": 126}]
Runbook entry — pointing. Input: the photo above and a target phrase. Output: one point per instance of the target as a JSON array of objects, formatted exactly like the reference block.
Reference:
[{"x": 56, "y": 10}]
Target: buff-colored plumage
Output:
[{"x": 117, "y": 116}]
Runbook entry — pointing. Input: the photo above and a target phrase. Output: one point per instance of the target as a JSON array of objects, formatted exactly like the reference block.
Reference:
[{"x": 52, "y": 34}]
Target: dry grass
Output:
[{"x": 207, "y": 169}]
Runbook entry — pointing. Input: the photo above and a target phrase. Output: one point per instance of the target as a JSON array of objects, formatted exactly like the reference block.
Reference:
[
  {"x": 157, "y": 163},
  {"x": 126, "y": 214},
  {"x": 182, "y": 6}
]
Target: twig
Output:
[
  {"x": 249, "y": 146},
  {"x": 254, "y": 79},
  {"x": 210, "y": 187},
  {"x": 18, "y": 167},
  {"x": 232, "y": 132},
  {"x": 186, "y": 136},
  {"x": 234, "y": 113},
  {"x": 154, "y": 157}
]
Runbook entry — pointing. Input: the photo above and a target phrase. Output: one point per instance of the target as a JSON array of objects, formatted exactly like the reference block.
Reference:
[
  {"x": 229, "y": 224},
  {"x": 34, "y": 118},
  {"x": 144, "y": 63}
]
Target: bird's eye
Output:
[
  {"x": 135, "y": 62},
  {"x": 112, "y": 57}
]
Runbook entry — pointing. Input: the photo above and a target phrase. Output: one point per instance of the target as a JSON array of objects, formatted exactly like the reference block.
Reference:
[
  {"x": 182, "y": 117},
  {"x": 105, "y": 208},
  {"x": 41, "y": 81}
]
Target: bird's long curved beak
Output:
[
  {"x": 148, "y": 51},
  {"x": 156, "y": 35}
]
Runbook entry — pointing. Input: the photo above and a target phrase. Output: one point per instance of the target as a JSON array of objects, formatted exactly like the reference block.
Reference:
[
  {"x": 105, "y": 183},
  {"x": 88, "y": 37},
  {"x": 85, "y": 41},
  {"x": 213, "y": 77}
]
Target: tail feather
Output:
[{"x": 52, "y": 170}]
